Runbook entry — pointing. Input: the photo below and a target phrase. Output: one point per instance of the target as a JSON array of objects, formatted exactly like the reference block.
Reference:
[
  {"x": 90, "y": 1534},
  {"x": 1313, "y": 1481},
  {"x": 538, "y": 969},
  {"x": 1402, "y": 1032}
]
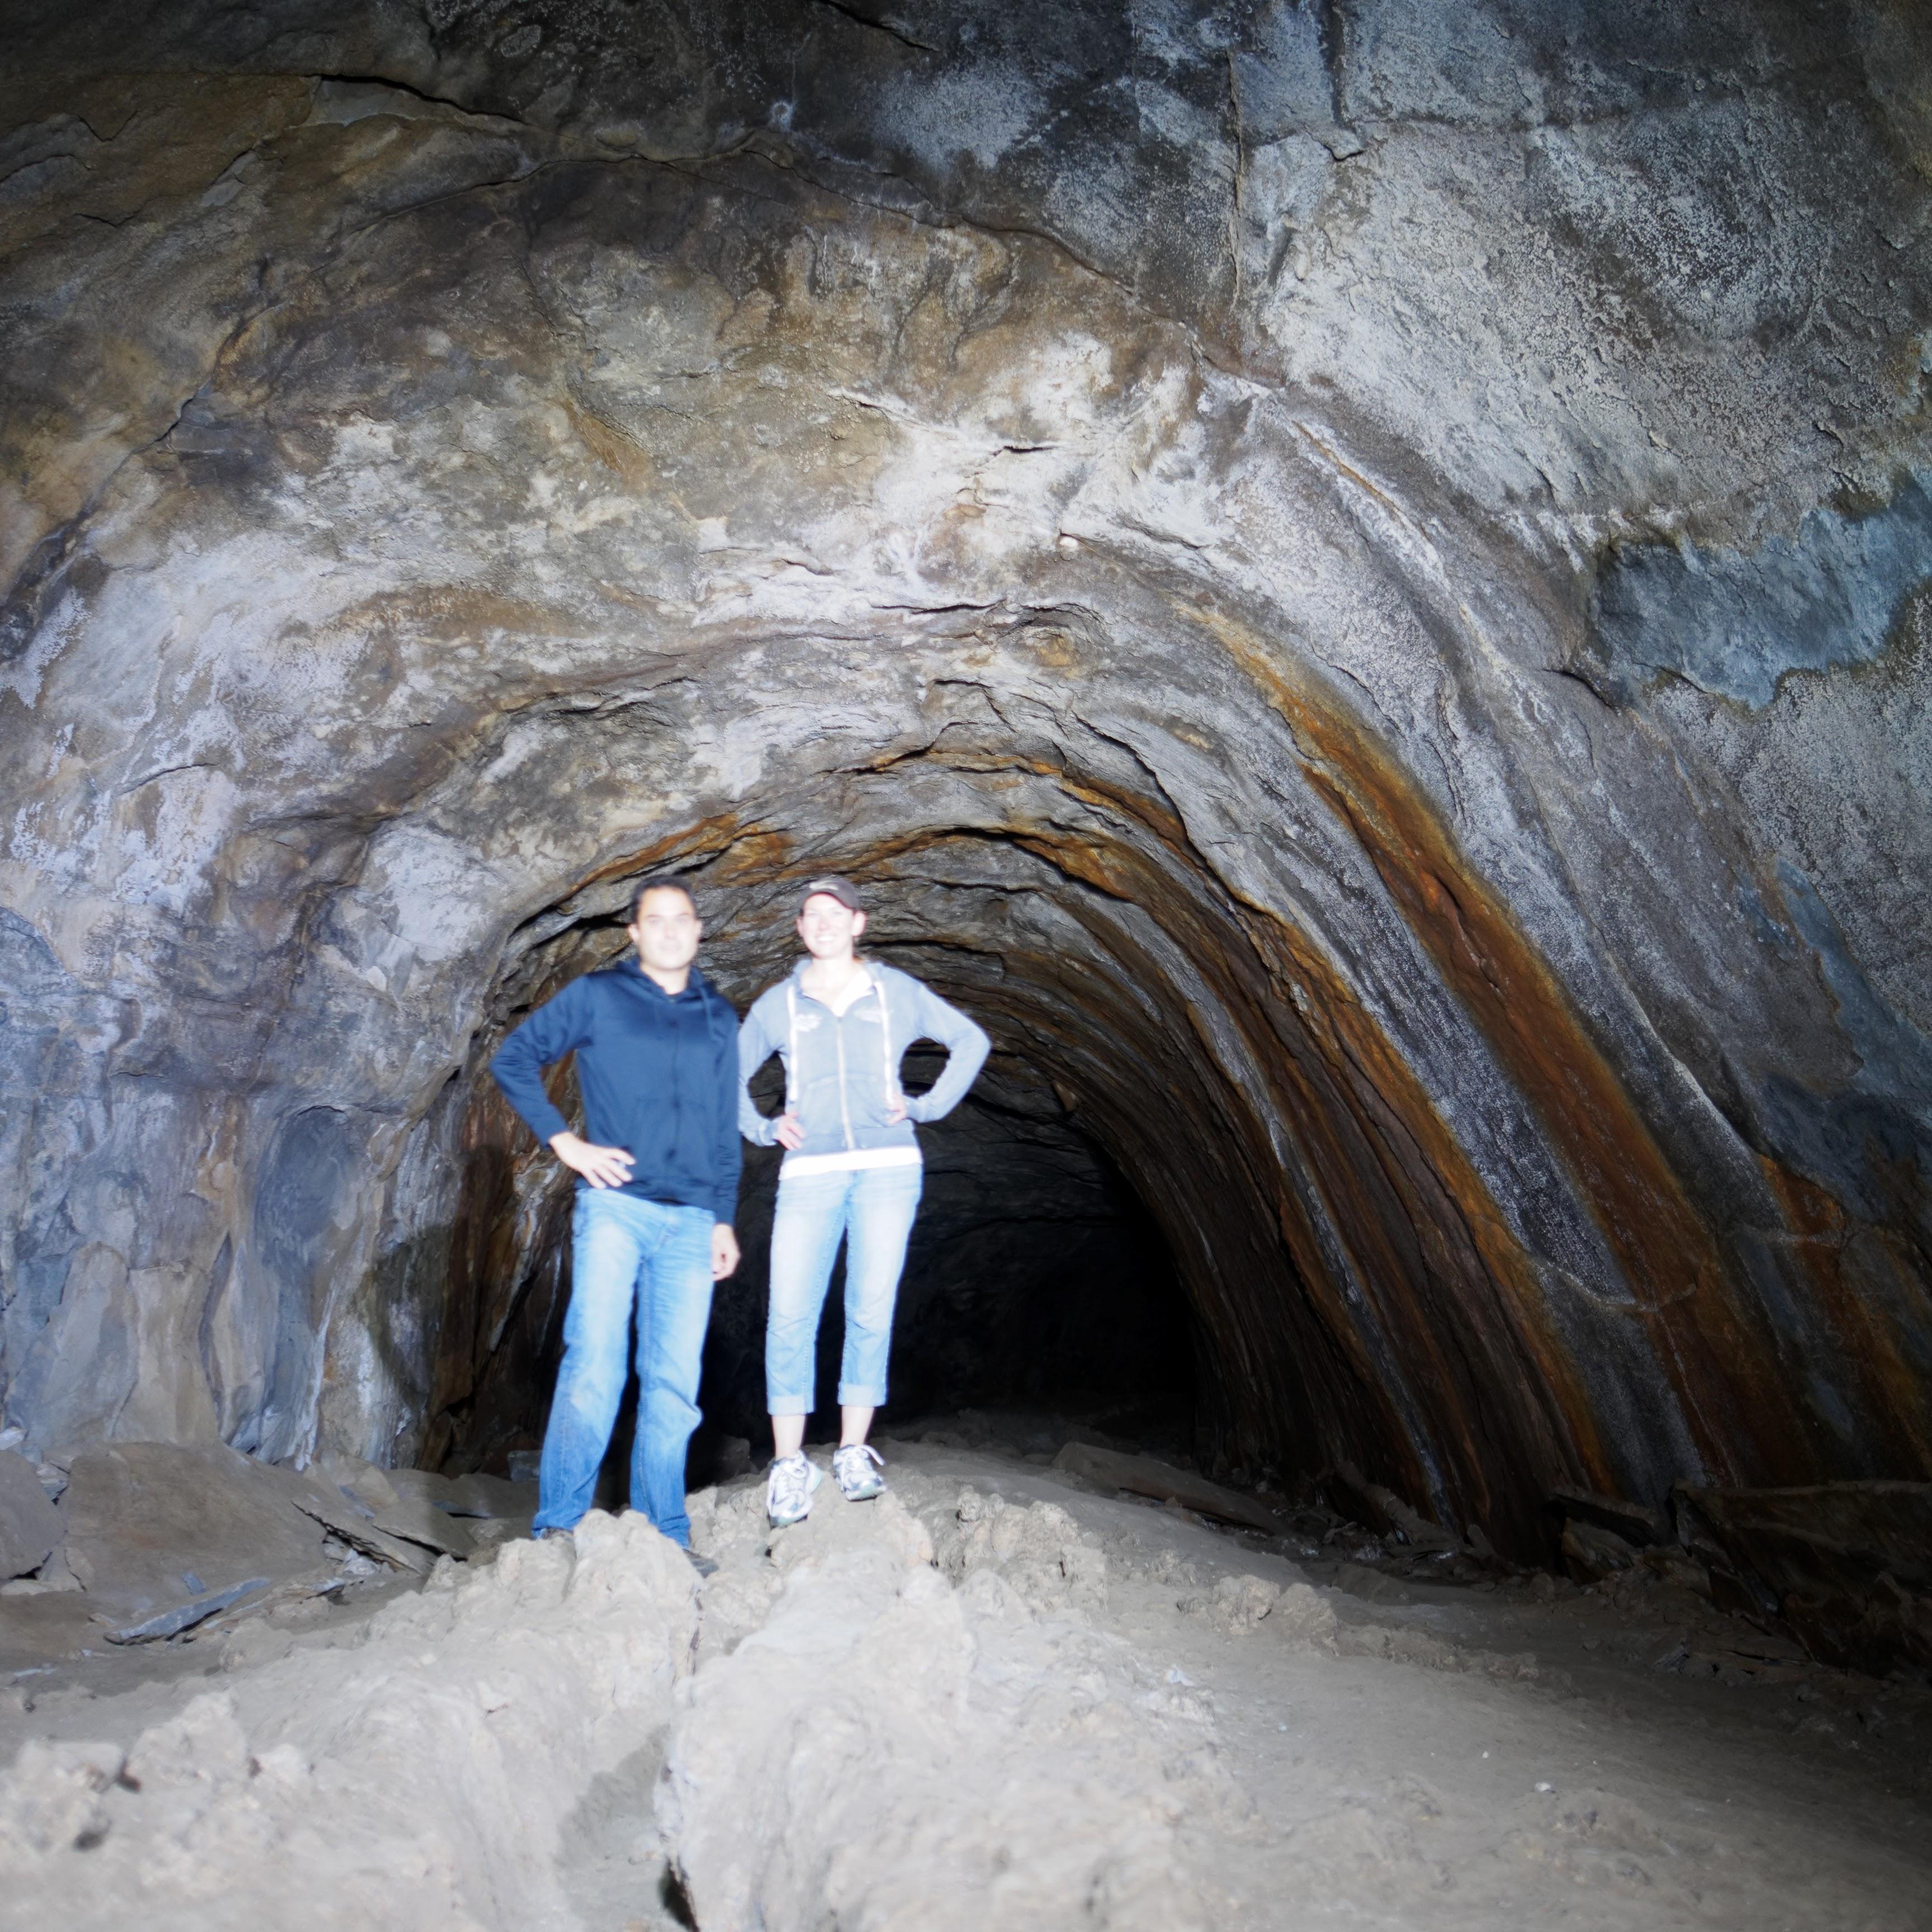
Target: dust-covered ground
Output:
[{"x": 992, "y": 1698}]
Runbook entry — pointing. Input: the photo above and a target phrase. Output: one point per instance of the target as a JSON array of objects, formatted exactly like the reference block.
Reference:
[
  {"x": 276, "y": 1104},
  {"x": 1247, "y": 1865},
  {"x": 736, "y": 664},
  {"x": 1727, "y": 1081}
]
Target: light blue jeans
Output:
[
  {"x": 873, "y": 1207},
  {"x": 625, "y": 1255}
]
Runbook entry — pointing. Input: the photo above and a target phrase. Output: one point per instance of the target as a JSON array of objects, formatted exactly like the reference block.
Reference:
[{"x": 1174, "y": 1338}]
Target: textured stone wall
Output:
[{"x": 1356, "y": 575}]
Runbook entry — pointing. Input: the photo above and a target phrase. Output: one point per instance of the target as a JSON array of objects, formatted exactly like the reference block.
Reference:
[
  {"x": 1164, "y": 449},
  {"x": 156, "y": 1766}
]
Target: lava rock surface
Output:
[{"x": 1306, "y": 555}]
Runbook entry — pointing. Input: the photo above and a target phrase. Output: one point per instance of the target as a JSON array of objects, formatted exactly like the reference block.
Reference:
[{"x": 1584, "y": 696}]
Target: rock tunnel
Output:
[{"x": 1354, "y": 580}]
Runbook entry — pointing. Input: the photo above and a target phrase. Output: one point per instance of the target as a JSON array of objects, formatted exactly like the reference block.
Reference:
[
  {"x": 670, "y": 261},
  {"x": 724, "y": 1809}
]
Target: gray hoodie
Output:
[{"x": 842, "y": 1071}]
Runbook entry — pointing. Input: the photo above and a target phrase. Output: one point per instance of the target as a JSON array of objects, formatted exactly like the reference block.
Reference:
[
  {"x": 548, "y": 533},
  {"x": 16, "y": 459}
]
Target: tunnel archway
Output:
[
  {"x": 1037, "y": 1283},
  {"x": 1313, "y": 1215}
]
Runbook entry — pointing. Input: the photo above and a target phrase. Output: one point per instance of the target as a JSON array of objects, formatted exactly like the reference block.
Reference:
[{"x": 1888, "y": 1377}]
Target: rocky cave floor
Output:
[{"x": 995, "y": 1697}]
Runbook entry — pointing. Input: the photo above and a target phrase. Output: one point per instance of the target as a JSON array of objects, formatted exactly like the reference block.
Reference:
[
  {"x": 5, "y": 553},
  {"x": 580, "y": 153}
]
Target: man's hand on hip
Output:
[
  {"x": 601, "y": 1166},
  {"x": 790, "y": 1132},
  {"x": 723, "y": 1251}
]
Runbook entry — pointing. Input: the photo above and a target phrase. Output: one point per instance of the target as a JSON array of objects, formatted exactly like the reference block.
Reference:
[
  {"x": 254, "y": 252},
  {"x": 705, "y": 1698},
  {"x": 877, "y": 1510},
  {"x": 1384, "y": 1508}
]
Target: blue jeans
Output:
[
  {"x": 628, "y": 1253},
  {"x": 874, "y": 1206}
]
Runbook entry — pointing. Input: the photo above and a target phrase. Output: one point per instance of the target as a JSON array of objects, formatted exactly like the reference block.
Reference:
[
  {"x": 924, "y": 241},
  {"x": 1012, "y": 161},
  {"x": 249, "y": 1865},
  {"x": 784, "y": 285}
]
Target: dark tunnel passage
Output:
[
  {"x": 1037, "y": 1278},
  {"x": 1036, "y": 1281}
]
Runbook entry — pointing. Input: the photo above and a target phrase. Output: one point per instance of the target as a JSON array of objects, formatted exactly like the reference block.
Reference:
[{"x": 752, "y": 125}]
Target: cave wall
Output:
[{"x": 1353, "y": 573}]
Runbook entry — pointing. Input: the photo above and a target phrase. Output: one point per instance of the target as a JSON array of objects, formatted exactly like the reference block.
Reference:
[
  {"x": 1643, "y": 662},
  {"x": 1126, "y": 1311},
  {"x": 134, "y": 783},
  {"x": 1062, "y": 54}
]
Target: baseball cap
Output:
[{"x": 843, "y": 890}]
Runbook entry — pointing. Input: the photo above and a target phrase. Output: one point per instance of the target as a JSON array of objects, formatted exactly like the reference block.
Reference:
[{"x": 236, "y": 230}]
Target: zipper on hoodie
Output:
[
  {"x": 677, "y": 1073},
  {"x": 844, "y": 1104}
]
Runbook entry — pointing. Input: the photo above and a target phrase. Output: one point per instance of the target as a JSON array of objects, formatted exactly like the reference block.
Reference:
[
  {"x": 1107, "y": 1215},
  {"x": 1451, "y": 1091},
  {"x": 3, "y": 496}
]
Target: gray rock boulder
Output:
[
  {"x": 30, "y": 1525},
  {"x": 153, "y": 1525}
]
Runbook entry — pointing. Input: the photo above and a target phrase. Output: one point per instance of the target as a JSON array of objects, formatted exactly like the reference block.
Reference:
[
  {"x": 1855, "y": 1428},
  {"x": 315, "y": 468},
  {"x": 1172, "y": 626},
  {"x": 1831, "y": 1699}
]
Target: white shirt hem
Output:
[{"x": 846, "y": 1160}]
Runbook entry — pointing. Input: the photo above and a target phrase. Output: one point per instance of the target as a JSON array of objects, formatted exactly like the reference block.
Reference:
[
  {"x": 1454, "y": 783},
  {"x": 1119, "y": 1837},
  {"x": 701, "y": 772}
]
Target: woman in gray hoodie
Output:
[{"x": 851, "y": 1172}]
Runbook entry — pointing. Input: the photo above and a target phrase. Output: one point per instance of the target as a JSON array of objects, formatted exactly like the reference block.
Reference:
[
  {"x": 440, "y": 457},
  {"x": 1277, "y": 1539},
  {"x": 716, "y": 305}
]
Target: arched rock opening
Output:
[{"x": 1244, "y": 597}]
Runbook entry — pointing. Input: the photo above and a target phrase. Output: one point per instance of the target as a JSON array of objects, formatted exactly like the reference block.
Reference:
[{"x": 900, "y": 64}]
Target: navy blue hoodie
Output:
[{"x": 659, "y": 1075}]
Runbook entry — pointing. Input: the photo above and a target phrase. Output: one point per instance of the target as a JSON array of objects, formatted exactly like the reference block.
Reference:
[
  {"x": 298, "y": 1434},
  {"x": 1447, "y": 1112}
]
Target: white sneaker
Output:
[
  {"x": 857, "y": 1467},
  {"x": 789, "y": 1487}
]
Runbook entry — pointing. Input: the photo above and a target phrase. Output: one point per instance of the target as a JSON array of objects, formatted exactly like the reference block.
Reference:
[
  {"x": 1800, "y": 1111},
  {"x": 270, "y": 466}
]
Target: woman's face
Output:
[{"x": 828, "y": 927}]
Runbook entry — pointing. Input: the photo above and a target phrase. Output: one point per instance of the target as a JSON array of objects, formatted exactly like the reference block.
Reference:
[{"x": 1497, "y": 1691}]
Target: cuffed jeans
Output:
[
  {"x": 628, "y": 1254},
  {"x": 874, "y": 1207}
]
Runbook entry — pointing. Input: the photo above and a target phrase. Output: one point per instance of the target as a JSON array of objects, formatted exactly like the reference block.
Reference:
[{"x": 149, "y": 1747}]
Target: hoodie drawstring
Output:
[
  {"x": 791, "y": 1049},
  {"x": 886, "y": 1042}
]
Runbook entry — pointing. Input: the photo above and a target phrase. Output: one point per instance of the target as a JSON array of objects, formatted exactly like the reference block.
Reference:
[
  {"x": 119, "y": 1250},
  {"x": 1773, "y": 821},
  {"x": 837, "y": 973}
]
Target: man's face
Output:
[
  {"x": 828, "y": 927},
  {"x": 667, "y": 931}
]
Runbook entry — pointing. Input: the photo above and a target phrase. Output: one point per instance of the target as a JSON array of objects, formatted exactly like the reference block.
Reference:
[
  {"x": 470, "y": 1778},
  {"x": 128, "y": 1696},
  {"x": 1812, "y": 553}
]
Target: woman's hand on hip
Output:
[{"x": 790, "y": 1132}]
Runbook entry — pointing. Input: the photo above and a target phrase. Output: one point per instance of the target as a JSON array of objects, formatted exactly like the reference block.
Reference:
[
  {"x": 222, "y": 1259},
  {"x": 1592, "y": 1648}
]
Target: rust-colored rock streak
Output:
[
  {"x": 1453, "y": 1297},
  {"x": 1495, "y": 1336},
  {"x": 505, "y": 1256},
  {"x": 1720, "y": 1364},
  {"x": 1840, "y": 1271}
]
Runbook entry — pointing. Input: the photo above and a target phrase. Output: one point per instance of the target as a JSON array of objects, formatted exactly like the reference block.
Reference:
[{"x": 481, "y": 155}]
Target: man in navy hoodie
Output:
[{"x": 657, "y": 1063}]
